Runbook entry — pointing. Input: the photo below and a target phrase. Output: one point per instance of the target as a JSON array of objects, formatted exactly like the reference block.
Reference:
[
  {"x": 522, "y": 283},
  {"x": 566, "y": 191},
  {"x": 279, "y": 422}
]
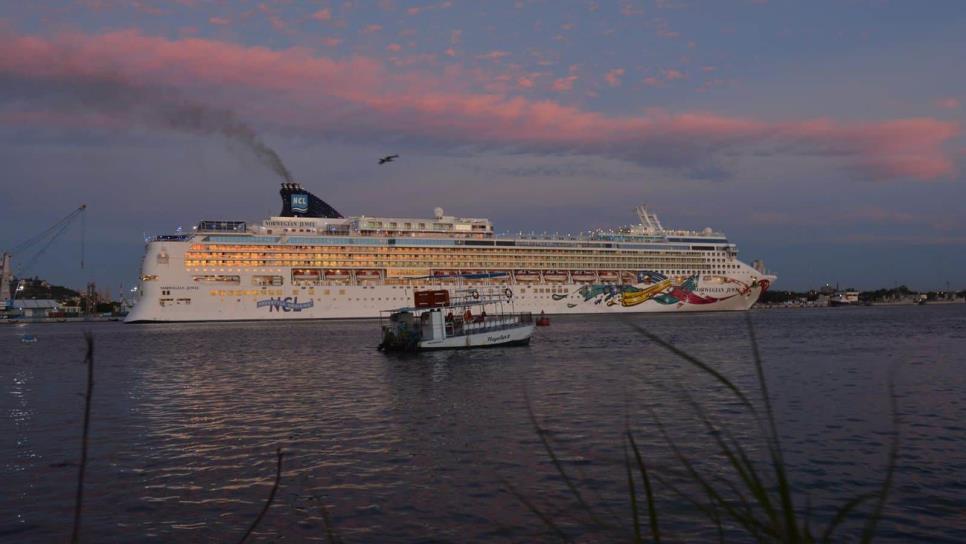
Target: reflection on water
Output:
[{"x": 400, "y": 448}]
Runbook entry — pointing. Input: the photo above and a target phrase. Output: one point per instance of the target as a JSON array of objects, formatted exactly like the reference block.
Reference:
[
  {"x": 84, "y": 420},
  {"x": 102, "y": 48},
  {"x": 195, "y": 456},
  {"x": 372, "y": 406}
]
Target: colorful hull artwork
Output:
[{"x": 657, "y": 287}]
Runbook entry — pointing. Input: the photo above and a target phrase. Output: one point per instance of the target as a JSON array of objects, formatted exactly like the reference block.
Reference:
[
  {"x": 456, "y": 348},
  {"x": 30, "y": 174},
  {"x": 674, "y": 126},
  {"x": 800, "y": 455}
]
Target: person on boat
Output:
[
  {"x": 483, "y": 316},
  {"x": 468, "y": 316},
  {"x": 449, "y": 316}
]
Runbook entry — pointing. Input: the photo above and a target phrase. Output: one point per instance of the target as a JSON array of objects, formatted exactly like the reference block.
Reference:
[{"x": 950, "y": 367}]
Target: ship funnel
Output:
[{"x": 297, "y": 202}]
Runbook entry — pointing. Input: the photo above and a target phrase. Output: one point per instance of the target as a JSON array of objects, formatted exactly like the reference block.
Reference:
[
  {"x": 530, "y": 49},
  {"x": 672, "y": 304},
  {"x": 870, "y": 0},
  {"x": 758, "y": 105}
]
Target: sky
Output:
[{"x": 823, "y": 137}]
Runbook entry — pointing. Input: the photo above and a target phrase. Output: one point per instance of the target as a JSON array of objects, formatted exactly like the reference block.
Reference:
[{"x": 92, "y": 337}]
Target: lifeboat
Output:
[
  {"x": 526, "y": 275},
  {"x": 608, "y": 275},
  {"x": 306, "y": 274},
  {"x": 584, "y": 276},
  {"x": 554, "y": 276},
  {"x": 368, "y": 274},
  {"x": 628, "y": 277},
  {"x": 336, "y": 274}
]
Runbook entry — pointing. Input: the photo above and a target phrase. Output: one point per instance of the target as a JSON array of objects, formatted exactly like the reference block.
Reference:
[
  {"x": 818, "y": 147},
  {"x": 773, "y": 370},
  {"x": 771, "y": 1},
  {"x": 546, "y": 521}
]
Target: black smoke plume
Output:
[{"x": 114, "y": 96}]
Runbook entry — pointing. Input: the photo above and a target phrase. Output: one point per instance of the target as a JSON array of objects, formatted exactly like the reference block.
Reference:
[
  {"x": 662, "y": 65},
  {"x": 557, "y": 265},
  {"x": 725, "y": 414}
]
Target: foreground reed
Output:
[{"x": 754, "y": 502}]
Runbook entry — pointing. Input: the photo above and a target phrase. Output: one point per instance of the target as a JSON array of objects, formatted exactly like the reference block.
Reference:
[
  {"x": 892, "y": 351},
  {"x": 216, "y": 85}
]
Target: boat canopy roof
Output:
[{"x": 483, "y": 300}]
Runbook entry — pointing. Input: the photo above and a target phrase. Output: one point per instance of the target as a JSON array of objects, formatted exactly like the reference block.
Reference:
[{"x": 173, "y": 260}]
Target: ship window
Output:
[
  {"x": 267, "y": 280},
  {"x": 217, "y": 278}
]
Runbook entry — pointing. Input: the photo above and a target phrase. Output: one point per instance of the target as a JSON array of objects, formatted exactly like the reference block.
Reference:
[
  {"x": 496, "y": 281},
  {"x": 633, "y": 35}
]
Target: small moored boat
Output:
[
  {"x": 471, "y": 321},
  {"x": 28, "y": 339}
]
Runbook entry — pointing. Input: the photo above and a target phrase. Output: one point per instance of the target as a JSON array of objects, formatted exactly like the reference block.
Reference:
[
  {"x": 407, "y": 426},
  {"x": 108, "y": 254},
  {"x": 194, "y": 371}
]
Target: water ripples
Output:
[{"x": 186, "y": 419}]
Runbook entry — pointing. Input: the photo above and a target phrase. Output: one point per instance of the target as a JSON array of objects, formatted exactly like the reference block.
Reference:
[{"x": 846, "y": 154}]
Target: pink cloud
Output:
[
  {"x": 304, "y": 92},
  {"x": 324, "y": 14},
  {"x": 494, "y": 55},
  {"x": 631, "y": 8},
  {"x": 394, "y": 47},
  {"x": 948, "y": 103},
  {"x": 614, "y": 76},
  {"x": 663, "y": 30},
  {"x": 370, "y": 29},
  {"x": 672, "y": 74},
  {"x": 564, "y": 84},
  {"x": 221, "y": 21}
]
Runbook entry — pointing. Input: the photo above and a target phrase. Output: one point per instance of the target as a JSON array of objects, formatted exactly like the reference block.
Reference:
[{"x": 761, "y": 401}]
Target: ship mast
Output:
[{"x": 649, "y": 220}]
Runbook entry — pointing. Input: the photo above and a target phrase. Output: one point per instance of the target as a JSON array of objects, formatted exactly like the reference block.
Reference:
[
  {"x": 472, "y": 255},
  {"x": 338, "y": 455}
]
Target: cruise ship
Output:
[{"x": 310, "y": 262}]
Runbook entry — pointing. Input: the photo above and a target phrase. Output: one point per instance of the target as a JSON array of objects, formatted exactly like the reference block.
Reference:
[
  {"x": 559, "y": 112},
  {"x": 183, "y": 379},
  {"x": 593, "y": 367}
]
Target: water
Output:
[{"x": 186, "y": 419}]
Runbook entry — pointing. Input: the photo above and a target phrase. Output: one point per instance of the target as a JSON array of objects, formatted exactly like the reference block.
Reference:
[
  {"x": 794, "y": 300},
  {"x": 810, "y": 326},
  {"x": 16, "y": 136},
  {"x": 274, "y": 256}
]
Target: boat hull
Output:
[
  {"x": 347, "y": 302},
  {"x": 514, "y": 336}
]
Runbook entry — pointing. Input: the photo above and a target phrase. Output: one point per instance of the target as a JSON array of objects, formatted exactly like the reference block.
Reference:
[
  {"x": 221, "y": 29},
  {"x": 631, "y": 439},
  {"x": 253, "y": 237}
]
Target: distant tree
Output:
[
  {"x": 780, "y": 297},
  {"x": 39, "y": 289}
]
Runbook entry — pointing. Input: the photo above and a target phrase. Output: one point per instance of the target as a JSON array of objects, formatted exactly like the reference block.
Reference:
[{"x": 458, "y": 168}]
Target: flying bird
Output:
[{"x": 390, "y": 158}]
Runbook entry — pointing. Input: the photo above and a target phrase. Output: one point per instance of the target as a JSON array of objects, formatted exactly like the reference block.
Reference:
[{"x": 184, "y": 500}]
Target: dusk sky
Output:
[{"x": 825, "y": 138}]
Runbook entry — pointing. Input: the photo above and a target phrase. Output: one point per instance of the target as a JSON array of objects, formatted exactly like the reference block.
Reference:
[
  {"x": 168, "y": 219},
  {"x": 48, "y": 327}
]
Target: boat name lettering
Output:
[
  {"x": 287, "y": 304},
  {"x": 180, "y": 288},
  {"x": 289, "y": 223},
  {"x": 500, "y": 338}
]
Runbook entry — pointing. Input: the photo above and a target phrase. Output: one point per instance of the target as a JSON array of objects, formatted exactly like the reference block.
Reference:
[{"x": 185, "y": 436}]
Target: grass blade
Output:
[
  {"x": 694, "y": 361},
  {"x": 883, "y": 493},
  {"x": 537, "y": 512},
  {"x": 649, "y": 493},
  {"x": 740, "y": 461},
  {"x": 271, "y": 497},
  {"x": 843, "y": 513},
  {"x": 559, "y": 466},
  {"x": 752, "y": 525},
  {"x": 632, "y": 494},
  {"x": 774, "y": 443},
  {"x": 82, "y": 470}
]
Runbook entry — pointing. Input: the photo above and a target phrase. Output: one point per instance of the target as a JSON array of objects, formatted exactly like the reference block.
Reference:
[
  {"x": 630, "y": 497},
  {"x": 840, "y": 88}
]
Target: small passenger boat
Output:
[
  {"x": 28, "y": 339},
  {"x": 471, "y": 321}
]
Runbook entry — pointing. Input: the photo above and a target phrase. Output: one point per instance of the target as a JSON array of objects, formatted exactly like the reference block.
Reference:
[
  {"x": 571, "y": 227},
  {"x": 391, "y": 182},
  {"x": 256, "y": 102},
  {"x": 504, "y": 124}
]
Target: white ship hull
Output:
[
  {"x": 176, "y": 297},
  {"x": 367, "y": 302},
  {"x": 329, "y": 267}
]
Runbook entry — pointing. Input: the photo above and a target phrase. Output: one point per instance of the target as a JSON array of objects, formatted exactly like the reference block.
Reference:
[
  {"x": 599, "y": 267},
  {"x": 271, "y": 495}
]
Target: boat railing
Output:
[{"x": 458, "y": 326}]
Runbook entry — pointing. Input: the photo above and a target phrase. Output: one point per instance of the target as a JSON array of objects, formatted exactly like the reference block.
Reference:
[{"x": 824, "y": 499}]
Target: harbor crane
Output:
[{"x": 31, "y": 250}]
